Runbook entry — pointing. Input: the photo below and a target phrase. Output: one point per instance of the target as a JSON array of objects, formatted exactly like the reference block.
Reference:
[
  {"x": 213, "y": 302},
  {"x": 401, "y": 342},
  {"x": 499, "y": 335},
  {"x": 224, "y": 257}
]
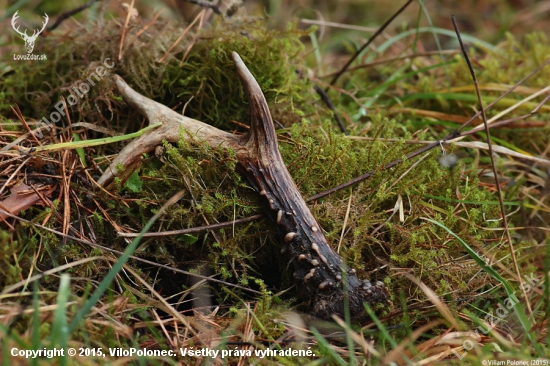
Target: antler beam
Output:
[{"x": 320, "y": 274}]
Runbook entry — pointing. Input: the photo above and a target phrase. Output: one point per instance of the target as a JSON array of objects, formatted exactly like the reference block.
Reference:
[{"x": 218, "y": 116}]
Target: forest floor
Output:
[{"x": 381, "y": 129}]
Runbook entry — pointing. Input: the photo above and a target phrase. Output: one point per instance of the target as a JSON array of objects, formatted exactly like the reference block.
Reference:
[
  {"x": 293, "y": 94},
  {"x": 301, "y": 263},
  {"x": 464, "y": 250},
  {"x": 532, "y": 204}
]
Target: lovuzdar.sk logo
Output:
[{"x": 29, "y": 40}]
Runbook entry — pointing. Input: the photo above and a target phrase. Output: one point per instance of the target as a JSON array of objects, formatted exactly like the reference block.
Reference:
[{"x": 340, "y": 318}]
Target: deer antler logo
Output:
[{"x": 29, "y": 40}]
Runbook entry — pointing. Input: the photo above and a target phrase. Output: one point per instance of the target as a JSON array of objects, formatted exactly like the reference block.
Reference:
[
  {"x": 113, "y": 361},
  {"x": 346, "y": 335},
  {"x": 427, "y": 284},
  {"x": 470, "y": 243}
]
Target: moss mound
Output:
[{"x": 203, "y": 82}]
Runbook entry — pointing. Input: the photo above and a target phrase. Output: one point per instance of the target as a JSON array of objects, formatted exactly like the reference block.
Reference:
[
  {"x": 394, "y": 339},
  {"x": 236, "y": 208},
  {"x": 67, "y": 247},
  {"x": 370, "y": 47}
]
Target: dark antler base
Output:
[{"x": 319, "y": 273}]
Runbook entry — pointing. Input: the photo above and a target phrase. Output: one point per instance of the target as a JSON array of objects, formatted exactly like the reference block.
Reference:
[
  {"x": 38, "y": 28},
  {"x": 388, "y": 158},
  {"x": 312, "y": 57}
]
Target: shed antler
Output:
[
  {"x": 318, "y": 270},
  {"x": 320, "y": 274}
]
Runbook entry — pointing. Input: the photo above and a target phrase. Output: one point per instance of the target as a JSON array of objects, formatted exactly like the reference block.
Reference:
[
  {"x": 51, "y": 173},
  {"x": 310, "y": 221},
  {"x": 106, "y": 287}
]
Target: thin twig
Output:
[
  {"x": 125, "y": 29},
  {"x": 388, "y": 60},
  {"x": 199, "y": 16},
  {"x": 328, "y": 102},
  {"x": 194, "y": 229},
  {"x": 493, "y": 165},
  {"x": 66, "y": 15},
  {"x": 371, "y": 39}
]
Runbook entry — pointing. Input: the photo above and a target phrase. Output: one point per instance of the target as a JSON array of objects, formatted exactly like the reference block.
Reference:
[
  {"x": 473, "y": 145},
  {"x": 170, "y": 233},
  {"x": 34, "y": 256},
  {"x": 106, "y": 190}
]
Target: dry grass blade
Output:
[
  {"x": 403, "y": 86},
  {"x": 394, "y": 355},
  {"x": 469, "y": 144},
  {"x": 189, "y": 324},
  {"x": 358, "y": 338},
  {"x": 198, "y": 17},
  {"x": 493, "y": 122},
  {"x": 31, "y": 279},
  {"x": 450, "y": 137},
  {"x": 525, "y": 100},
  {"x": 434, "y": 299},
  {"x": 495, "y": 173},
  {"x": 191, "y": 44},
  {"x": 389, "y": 60},
  {"x": 345, "y": 221},
  {"x": 194, "y": 229},
  {"x": 337, "y": 25},
  {"x": 536, "y": 70},
  {"x": 500, "y": 149},
  {"x": 14, "y": 174},
  {"x": 125, "y": 29}
]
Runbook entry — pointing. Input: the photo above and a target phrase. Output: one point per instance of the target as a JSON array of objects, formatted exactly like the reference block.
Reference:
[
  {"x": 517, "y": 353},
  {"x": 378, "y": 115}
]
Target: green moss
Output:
[
  {"x": 9, "y": 270},
  {"x": 205, "y": 83}
]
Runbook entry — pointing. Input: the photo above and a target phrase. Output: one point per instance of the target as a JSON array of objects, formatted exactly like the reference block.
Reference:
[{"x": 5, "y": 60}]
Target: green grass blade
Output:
[
  {"x": 506, "y": 102},
  {"x": 60, "y": 334},
  {"x": 384, "y": 331},
  {"x": 432, "y": 30},
  {"x": 315, "y": 45},
  {"x": 436, "y": 38},
  {"x": 5, "y": 353},
  {"x": 393, "y": 79},
  {"x": 14, "y": 337},
  {"x": 117, "y": 267},
  {"x": 35, "y": 337},
  {"x": 327, "y": 350},
  {"x": 96, "y": 142},
  {"x": 80, "y": 150},
  {"x": 524, "y": 320},
  {"x": 347, "y": 319}
]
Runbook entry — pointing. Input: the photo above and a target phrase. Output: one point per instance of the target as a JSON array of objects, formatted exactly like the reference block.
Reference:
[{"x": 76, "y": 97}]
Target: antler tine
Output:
[
  {"x": 13, "y": 19},
  {"x": 35, "y": 32},
  {"x": 46, "y": 18}
]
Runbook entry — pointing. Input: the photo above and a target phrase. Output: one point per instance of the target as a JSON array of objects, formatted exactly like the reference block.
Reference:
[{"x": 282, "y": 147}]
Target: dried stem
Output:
[
  {"x": 66, "y": 15},
  {"x": 325, "y": 98},
  {"x": 493, "y": 165}
]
